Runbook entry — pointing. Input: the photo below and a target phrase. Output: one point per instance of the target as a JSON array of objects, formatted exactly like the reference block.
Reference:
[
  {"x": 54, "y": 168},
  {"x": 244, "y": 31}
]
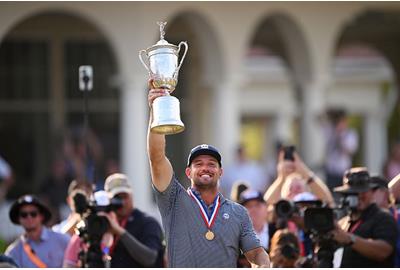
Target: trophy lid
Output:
[{"x": 162, "y": 43}]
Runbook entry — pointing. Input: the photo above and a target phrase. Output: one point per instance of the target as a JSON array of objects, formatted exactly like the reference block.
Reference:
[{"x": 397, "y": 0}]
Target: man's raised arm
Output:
[{"x": 161, "y": 168}]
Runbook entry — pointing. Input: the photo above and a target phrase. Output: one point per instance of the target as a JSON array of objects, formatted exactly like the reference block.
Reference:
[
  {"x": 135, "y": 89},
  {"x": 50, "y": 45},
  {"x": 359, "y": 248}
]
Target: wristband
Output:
[{"x": 352, "y": 240}]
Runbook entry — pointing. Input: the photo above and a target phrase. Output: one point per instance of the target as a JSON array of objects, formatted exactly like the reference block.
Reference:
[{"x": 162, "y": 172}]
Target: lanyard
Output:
[
  {"x": 355, "y": 226},
  {"x": 33, "y": 257}
]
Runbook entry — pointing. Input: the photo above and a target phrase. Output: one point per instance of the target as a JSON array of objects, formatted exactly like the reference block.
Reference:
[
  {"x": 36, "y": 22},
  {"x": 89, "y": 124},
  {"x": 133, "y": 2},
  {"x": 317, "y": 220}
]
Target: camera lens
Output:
[
  {"x": 97, "y": 225},
  {"x": 284, "y": 208}
]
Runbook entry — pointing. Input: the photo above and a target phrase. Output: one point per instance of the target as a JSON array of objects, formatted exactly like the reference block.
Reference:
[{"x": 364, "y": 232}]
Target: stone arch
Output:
[
  {"x": 291, "y": 44},
  {"x": 368, "y": 40},
  {"x": 63, "y": 39},
  {"x": 279, "y": 37}
]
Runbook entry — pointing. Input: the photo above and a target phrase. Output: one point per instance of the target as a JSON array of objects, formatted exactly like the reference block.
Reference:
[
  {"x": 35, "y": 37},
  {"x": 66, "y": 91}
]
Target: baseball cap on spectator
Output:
[
  {"x": 28, "y": 200},
  {"x": 355, "y": 180},
  {"x": 250, "y": 195},
  {"x": 117, "y": 183},
  {"x": 305, "y": 197},
  {"x": 204, "y": 149}
]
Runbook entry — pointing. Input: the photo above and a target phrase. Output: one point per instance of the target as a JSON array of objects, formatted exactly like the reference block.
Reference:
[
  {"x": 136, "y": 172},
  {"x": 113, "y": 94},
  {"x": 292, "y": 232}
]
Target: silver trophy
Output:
[{"x": 161, "y": 61}]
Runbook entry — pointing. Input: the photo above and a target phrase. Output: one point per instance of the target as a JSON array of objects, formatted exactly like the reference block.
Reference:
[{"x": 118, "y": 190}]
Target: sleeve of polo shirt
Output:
[
  {"x": 165, "y": 200},
  {"x": 248, "y": 238},
  {"x": 385, "y": 228}
]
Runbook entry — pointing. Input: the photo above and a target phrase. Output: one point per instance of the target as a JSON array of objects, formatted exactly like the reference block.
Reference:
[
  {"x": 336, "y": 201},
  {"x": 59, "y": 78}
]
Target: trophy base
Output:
[
  {"x": 168, "y": 129},
  {"x": 166, "y": 116}
]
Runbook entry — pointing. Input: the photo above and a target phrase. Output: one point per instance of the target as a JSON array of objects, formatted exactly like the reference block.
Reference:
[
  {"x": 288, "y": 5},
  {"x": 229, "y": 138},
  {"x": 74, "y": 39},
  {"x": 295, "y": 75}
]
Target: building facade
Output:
[{"x": 269, "y": 67}]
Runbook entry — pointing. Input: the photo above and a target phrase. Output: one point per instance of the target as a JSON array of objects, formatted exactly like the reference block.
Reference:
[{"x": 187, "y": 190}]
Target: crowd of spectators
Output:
[{"x": 346, "y": 218}]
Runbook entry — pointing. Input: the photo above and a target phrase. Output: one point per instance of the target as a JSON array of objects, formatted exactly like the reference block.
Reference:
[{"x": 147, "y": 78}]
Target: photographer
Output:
[
  {"x": 367, "y": 233},
  {"x": 137, "y": 237},
  {"x": 116, "y": 228}
]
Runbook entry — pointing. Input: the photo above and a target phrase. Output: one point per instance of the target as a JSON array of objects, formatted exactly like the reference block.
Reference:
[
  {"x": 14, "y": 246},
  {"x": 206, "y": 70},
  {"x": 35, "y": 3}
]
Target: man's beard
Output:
[{"x": 206, "y": 186}]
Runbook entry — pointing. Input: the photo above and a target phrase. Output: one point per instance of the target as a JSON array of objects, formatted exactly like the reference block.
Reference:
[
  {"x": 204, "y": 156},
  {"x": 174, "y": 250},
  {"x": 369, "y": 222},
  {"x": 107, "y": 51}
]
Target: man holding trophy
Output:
[{"x": 203, "y": 229}]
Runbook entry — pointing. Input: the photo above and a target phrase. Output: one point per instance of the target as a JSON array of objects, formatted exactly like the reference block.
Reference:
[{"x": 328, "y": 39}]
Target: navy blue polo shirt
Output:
[{"x": 147, "y": 231}]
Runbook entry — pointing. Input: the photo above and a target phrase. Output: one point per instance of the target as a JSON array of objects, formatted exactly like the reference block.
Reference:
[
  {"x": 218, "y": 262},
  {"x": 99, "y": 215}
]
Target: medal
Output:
[
  {"x": 209, "y": 235},
  {"x": 208, "y": 220}
]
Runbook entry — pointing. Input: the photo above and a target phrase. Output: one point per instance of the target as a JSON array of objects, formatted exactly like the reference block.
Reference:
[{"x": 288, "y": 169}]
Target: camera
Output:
[
  {"x": 285, "y": 209},
  {"x": 349, "y": 202},
  {"x": 288, "y": 152},
  {"x": 95, "y": 226},
  {"x": 319, "y": 220}
]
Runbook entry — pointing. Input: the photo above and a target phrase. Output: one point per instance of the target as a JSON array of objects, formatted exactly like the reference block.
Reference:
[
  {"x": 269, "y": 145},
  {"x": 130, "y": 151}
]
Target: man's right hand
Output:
[{"x": 155, "y": 93}]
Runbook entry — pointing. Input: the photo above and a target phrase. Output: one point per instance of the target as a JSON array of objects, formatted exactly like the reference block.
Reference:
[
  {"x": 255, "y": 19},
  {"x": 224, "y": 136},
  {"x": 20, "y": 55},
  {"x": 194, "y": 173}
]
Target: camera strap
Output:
[{"x": 33, "y": 257}]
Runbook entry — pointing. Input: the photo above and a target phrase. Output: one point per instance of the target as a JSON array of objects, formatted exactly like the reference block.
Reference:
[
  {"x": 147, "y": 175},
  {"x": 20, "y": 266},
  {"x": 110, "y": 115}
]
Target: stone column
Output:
[
  {"x": 282, "y": 126},
  {"x": 134, "y": 121},
  {"x": 226, "y": 118},
  {"x": 374, "y": 143},
  {"x": 312, "y": 143}
]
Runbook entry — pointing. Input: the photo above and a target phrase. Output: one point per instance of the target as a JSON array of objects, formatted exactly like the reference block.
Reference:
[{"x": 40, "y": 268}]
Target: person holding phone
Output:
[{"x": 294, "y": 177}]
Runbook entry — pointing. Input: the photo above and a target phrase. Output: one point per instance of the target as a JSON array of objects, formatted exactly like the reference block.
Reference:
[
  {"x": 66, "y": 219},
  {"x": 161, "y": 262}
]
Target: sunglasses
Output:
[{"x": 26, "y": 214}]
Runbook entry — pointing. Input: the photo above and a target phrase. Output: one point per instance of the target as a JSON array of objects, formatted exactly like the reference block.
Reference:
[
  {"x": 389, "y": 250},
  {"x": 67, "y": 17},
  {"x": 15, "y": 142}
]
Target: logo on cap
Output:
[
  {"x": 28, "y": 199},
  {"x": 204, "y": 146}
]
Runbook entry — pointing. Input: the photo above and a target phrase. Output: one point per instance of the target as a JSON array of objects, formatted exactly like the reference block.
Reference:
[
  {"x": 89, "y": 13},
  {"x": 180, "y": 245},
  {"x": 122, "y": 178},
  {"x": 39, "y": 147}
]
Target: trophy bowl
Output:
[{"x": 161, "y": 61}]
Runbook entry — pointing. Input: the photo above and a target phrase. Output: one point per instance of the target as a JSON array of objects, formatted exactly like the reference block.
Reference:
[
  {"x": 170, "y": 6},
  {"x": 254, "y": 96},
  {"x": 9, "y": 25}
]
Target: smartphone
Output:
[{"x": 288, "y": 152}]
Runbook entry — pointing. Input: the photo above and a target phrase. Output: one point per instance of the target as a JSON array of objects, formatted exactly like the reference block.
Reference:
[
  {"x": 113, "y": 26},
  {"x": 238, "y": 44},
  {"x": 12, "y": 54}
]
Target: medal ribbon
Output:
[{"x": 208, "y": 220}]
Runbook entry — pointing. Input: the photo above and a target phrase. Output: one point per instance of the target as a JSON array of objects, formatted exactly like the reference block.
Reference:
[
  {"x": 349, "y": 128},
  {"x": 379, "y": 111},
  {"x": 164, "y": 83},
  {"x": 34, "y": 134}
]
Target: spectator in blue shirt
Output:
[{"x": 38, "y": 247}]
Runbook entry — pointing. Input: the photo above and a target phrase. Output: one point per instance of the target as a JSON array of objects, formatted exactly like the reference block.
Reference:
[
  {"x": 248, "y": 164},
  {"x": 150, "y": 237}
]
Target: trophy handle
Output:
[
  {"x": 143, "y": 62},
  {"x": 184, "y": 43}
]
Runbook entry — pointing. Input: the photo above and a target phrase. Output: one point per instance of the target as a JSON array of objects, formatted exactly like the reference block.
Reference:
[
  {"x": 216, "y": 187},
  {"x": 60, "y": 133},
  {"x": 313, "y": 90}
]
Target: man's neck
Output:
[
  {"x": 207, "y": 195},
  {"x": 258, "y": 227},
  {"x": 34, "y": 234},
  {"x": 124, "y": 218}
]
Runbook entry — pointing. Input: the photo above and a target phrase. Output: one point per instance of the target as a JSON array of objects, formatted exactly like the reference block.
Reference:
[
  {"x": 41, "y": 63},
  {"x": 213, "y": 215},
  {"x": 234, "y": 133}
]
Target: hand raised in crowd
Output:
[
  {"x": 301, "y": 167},
  {"x": 284, "y": 167}
]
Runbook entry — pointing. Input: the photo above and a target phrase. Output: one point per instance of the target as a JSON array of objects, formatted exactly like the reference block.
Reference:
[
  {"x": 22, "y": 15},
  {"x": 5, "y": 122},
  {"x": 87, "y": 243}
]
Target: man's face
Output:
[
  {"x": 127, "y": 204},
  {"x": 293, "y": 185},
  {"x": 381, "y": 197},
  {"x": 365, "y": 199},
  {"x": 257, "y": 212},
  {"x": 30, "y": 217},
  {"x": 204, "y": 172}
]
